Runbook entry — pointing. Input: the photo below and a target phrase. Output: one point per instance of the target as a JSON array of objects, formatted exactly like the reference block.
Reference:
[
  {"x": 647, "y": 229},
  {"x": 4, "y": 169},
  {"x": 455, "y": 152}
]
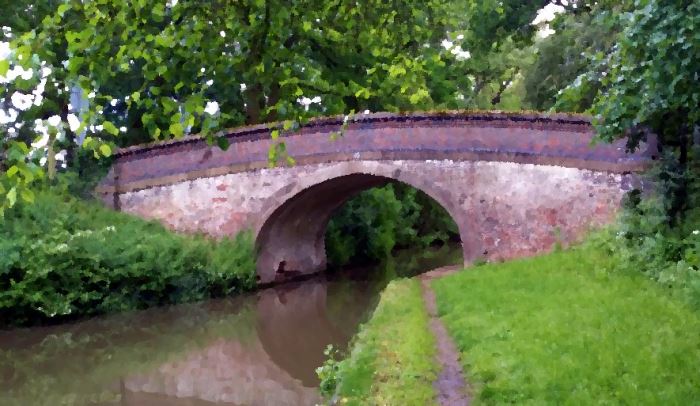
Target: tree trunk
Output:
[
  {"x": 502, "y": 87},
  {"x": 272, "y": 99},
  {"x": 51, "y": 156},
  {"x": 253, "y": 94}
]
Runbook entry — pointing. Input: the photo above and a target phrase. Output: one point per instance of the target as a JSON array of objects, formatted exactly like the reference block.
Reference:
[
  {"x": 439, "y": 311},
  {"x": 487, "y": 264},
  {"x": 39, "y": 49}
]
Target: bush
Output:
[
  {"x": 378, "y": 221},
  {"x": 650, "y": 239},
  {"x": 62, "y": 258}
]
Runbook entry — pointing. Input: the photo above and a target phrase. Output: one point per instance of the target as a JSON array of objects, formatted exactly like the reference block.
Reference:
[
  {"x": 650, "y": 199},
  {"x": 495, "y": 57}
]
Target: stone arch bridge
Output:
[{"x": 513, "y": 183}]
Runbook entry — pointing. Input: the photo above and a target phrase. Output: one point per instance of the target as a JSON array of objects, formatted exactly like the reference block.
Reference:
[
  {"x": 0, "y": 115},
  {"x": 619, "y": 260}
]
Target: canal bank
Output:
[{"x": 556, "y": 329}]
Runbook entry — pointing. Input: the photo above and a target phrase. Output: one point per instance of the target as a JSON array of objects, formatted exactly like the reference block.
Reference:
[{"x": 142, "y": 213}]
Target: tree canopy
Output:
[
  {"x": 646, "y": 83},
  {"x": 155, "y": 70},
  {"x": 645, "y": 77}
]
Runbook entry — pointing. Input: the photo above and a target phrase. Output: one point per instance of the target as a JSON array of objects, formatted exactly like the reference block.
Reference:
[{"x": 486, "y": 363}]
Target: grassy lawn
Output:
[
  {"x": 559, "y": 329},
  {"x": 392, "y": 358}
]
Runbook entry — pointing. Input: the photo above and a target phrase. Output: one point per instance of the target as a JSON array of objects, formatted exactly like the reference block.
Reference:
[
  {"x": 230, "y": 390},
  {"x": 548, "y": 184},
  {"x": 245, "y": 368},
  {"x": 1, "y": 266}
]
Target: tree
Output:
[
  {"x": 648, "y": 84},
  {"x": 156, "y": 70},
  {"x": 559, "y": 60}
]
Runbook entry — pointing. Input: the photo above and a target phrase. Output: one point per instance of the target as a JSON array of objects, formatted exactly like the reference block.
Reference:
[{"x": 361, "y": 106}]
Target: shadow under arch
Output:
[{"x": 291, "y": 239}]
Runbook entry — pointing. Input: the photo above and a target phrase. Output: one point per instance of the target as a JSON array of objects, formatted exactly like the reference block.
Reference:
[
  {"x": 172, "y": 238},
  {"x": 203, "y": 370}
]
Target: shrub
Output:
[
  {"x": 62, "y": 258},
  {"x": 648, "y": 238},
  {"x": 377, "y": 221}
]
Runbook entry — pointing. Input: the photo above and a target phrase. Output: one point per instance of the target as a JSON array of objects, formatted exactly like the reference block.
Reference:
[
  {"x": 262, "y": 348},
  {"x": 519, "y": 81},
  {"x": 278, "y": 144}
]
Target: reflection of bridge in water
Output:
[
  {"x": 275, "y": 366},
  {"x": 259, "y": 349}
]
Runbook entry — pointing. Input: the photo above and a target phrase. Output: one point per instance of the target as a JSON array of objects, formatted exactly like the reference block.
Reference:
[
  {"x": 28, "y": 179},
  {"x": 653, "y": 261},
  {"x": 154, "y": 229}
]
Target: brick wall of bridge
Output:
[
  {"x": 503, "y": 209},
  {"x": 512, "y": 183}
]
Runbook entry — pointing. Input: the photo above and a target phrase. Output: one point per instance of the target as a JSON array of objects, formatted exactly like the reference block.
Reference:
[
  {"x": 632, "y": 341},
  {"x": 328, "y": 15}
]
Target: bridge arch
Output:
[
  {"x": 290, "y": 237},
  {"x": 513, "y": 183}
]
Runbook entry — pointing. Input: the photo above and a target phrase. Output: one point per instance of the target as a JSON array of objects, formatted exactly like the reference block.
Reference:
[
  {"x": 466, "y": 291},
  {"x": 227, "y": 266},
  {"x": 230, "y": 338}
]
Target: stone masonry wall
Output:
[
  {"x": 512, "y": 183},
  {"x": 503, "y": 209}
]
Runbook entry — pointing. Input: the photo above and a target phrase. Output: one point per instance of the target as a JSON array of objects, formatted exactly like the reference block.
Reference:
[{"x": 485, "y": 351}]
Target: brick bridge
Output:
[{"x": 513, "y": 183}]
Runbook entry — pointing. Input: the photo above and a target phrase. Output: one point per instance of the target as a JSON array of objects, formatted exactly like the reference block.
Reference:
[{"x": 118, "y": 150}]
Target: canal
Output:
[{"x": 257, "y": 349}]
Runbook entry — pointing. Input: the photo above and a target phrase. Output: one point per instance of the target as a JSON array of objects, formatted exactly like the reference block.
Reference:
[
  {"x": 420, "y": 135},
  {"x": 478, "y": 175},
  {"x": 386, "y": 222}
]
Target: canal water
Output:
[{"x": 256, "y": 349}]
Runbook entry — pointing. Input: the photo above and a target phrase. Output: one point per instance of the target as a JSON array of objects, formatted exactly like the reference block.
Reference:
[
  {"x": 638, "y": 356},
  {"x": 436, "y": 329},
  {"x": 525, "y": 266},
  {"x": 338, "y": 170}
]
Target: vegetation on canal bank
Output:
[
  {"x": 391, "y": 361},
  {"x": 63, "y": 257},
  {"x": 561, "y": 328}
]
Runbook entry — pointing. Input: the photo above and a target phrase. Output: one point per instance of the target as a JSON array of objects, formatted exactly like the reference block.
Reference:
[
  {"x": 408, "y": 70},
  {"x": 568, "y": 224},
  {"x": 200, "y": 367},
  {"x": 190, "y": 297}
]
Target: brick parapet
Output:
[{"x": 562, "y": 140}]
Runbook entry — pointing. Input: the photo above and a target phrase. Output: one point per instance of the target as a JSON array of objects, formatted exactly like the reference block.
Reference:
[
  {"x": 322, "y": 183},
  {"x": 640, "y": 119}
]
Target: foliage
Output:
[
  {"x": 62, "y": 258},
  {"x": 652, "y": 74},
  {"x": 16, "y": 181},
  {"x": 563, "y": 329},
  {"x": 328, "y": 372},
  {"x": 382, "y": 370},
  {"x": 377, "y": 221},
  {"x": 648, "y": 84},
  {"x": 562, "y": 57},
  {"x": 645, "y": 239},
  {"x": 83, "y": 176},
  {"x": 152, "y": 69},
  {"x": 638, "y": 79}
]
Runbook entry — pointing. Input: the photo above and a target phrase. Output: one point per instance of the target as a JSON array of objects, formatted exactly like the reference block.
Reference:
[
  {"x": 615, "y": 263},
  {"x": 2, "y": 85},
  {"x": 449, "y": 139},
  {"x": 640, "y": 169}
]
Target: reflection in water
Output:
[
  {"x": 275, "y": 367},
  {"x": 258, "y": 349}
]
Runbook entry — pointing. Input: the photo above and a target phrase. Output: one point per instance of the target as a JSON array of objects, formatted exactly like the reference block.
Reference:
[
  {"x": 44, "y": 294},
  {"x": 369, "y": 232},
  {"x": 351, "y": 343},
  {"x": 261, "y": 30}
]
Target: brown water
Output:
[{"x": 257, "y": 349}]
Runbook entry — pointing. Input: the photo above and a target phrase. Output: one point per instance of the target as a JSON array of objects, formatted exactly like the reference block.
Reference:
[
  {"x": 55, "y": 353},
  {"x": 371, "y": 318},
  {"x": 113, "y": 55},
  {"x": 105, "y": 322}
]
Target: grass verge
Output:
[
  {"x": 392, "y": 361},
  {"x": 561, "y": 329}
]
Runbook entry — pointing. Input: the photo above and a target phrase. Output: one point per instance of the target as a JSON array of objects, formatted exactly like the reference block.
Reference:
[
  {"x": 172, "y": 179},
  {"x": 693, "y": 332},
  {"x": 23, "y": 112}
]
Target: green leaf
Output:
[
  {"x": 176, "y": 130},
  {"x": 61, "y": 10},
  {"x": 110, "y": 128},
  {"x": 168, "y": 104},
  {"x": 363, "y": 93},
  {"x": 165, "y": 40},
  {"x": 223, "y": 143},
  {"x": 4, "y": 66},
  {"x": 418, "y": 96},
  {"x": 147, "y": 119},
  {"x": 27, "y": 195},
  {"x": 105, "y": 150},
  {"x": 12, "y": 171},
  {"x": 27, "y": 174},
  {"x": 396, "y": 70},
  {"x": 12, "y": 196}
]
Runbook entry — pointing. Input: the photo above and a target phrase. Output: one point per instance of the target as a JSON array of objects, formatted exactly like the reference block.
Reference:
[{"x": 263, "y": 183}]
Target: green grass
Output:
[
  {"x": 560, "y": 329},
  {"x": 392, "y": 359}
]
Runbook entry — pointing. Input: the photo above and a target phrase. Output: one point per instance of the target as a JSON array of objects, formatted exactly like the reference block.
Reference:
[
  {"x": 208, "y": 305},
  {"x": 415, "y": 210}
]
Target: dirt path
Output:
[{"x": 450, "y": 385}]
